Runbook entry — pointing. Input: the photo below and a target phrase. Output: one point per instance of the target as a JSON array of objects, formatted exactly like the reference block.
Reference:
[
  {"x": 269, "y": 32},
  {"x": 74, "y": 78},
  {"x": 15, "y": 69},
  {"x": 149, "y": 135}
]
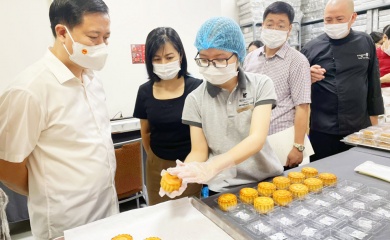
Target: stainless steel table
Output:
[{"x": 343, "y": 166}]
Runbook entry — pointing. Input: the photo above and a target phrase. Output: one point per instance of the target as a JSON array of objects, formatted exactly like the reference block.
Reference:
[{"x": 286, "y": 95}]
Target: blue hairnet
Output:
[{"x": 221, "y": 33}]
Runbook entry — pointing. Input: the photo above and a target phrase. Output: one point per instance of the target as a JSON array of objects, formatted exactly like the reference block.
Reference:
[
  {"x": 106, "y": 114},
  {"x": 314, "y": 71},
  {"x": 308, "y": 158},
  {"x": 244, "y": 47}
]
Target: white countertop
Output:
[{"x": 175, "y": 219}]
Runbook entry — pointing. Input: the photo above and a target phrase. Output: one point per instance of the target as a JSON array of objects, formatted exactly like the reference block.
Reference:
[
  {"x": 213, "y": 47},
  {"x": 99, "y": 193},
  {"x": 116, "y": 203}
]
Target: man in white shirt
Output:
[{"x": 55, "y": 137}]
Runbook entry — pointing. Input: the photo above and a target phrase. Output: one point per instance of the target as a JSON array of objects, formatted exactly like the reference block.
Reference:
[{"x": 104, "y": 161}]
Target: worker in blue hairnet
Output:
[{"x": 228, "y": 114}]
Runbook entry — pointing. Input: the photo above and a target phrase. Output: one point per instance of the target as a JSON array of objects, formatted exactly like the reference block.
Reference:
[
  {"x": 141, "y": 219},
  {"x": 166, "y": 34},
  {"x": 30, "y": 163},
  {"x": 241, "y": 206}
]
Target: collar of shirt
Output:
[
  {"x": 280, "y": 53},
  {"x": 62, "y": 73},
  {"x": 214, "y": 90}
]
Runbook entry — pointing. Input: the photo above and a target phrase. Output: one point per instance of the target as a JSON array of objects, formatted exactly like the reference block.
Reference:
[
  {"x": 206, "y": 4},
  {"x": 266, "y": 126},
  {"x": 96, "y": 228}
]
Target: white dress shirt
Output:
[{"x": 62, "y": 124}]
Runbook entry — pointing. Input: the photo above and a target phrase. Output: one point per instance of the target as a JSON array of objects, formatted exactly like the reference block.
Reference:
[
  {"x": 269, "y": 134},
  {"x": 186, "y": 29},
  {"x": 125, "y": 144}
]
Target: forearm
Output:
[
  {"x": 14, "y": 176},
  {"x": 196, "y": 156},
  {"x": 146, "y": 141},
  {"x": 374, "y": 120},
  {"x": 252, "y": 144},
  {"x": 239, "y": 153},
  {"x": 145, "y": 134},
  {"x": 245, "y": 149},
  {"x": 301, "y": 122}
]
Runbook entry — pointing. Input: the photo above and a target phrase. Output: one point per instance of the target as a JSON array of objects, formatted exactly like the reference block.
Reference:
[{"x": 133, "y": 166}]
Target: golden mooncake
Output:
[
  {"x": 247, "y": 195},
  {"x": 298, "y": 190},
  {"x": 282, "y": 197},
  {"x": 296, "y": 177},
  {"x": 227, "y": 201},
  {"x": 170, "y": 183},
  {"x": 328, "y": 179},
  {"x": 122, "y": 237},
  {"x": 281, "y": 182},
  {"x": 309, "y": 172},
  {"x": 266, "y": 189},
  {"x": 263, "y": 204},
  {"x": 314, "y": 184},
  {"x": 152, "y": 238}
]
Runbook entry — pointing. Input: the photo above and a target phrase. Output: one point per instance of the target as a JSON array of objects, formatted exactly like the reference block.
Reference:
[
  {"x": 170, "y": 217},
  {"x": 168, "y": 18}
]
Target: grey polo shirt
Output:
[{"x": 226, "y": 119}]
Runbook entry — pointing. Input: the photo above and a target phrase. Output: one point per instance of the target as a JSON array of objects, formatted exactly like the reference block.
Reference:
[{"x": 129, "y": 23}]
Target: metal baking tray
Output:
[
  {"x": 364, "y": 145},
  {"x": 230, "y": 228}
]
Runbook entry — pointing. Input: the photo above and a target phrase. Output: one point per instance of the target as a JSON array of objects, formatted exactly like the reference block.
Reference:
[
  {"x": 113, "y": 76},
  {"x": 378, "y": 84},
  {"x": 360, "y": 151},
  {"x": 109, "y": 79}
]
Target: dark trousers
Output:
[{"x": 325, "y": 145}]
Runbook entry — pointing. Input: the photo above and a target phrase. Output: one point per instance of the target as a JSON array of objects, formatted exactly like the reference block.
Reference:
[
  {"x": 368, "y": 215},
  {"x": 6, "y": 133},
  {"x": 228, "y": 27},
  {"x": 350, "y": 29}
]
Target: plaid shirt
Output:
[
  {"x": 290, "y": 72},
  {"x": 4, "y": 228}
]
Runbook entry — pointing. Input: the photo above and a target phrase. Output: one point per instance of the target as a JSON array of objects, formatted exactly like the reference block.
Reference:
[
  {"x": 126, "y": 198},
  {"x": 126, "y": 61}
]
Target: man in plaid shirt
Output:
[{"x": 290, "y": 72}]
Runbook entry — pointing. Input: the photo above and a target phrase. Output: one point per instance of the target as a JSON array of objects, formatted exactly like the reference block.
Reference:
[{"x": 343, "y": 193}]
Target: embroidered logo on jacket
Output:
[{"x": 363, "y": 56}]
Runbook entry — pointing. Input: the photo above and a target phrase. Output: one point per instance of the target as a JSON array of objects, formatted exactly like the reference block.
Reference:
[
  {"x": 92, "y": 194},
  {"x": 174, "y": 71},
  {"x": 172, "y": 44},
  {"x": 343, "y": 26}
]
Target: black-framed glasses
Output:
[{"x": 218, "y": 63}]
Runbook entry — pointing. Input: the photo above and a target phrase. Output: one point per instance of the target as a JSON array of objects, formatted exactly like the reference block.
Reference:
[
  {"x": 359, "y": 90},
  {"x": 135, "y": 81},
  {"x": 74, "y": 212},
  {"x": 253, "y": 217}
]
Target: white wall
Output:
[{"x": 27, "y": 38}]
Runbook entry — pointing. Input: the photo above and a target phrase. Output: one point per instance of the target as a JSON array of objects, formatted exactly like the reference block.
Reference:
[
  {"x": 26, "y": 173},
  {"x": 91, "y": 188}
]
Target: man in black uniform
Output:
[{"x": 346, "y": 93}]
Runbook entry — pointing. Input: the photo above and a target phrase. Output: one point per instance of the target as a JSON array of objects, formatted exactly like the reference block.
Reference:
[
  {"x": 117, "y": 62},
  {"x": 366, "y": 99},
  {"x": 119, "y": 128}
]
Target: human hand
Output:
[
  {"x": 194, "y": 172},
  {"x": 294, "y": 158},
  {"x": 173, "y": 194},
  {"x": 317, "y": 73}
]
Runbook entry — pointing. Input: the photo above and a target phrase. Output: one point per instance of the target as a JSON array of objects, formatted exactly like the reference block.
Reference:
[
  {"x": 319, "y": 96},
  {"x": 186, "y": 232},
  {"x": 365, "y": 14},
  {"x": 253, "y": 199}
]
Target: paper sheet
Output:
[
  {"x": 176, "y": 219},
  {"x": 374, "y": 170},
  {"x": 282, "y": 143}
]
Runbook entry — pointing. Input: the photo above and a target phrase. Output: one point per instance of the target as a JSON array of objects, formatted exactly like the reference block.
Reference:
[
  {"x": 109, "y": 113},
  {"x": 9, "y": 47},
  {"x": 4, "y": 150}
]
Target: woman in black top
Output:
[{"x": 159, "y": 106}]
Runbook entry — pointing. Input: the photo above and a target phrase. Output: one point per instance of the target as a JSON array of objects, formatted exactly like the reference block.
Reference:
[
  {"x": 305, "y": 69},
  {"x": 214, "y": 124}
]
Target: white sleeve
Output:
[{"x": 21, "y": 121}]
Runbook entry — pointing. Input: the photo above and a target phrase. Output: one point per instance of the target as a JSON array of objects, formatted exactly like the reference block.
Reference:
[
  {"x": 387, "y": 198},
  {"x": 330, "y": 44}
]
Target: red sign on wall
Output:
[{"x": 138, "y": 53}]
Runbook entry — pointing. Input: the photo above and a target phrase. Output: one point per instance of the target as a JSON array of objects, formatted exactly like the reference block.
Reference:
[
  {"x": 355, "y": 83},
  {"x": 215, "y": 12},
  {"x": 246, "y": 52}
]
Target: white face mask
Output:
[
  {"x": 273, "y": 38},
  {"x": 338, "y": 30},
  {"x": 90, "y": 57},
  {"x": 218, "y": 76},
  {"x": 167, "y": 71}
]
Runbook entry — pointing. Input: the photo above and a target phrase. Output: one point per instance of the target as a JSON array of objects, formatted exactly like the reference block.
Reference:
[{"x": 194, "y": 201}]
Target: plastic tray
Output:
[
  {"x": 284, "y": 219},
  {"x": 342, "y": 212},
  {"x": 243, "y": 215},
  {"x": 373, "y": 194},
  {"x": 306, "y": 229},
  {"x": 304, "y": 210},
  {"x": 353, "y": 232}
]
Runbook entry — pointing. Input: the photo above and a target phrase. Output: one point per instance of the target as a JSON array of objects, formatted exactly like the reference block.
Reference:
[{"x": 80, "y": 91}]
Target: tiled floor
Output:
[{"x": 22, "y": 230}]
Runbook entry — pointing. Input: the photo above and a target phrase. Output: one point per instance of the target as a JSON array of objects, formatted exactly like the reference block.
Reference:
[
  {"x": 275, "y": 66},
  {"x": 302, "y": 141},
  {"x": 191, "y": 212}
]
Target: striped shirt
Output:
[{"x": 290, "y": 72}]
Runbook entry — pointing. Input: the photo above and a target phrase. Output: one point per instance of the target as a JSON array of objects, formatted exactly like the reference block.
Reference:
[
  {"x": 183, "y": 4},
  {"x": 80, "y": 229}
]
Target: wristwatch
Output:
[{"x": 300, "y": 147}]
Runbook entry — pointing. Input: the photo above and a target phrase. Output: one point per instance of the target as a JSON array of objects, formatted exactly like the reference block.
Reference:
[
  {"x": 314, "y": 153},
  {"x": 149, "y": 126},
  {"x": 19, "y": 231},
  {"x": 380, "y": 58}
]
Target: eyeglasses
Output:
[{"x": 218, "y": 63}]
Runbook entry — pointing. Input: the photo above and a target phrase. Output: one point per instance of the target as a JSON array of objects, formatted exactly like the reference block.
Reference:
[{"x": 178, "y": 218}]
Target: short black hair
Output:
[
  {"x": 376, "y": 36},
  {"x": 257, "y": 43},
  {"x": 157, "y": 38},
  {"x": 386, "y": 30},
  {"x": 280, "y": 8},
  {"x": 71, "y": 12}
]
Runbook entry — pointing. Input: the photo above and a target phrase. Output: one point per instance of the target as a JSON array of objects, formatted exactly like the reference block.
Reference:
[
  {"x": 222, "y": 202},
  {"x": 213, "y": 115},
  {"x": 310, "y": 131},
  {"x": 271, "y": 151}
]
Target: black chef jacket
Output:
[{"x": 350, "y": 92}]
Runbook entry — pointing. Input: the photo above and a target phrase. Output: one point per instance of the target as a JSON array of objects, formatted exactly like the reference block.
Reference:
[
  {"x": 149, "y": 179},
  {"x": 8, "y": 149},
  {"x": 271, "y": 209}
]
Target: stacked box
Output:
[
  {"x": 312, "y": 9},
  {"x": 251, "y": 12},
  {"x": 384, "y": 19}
]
